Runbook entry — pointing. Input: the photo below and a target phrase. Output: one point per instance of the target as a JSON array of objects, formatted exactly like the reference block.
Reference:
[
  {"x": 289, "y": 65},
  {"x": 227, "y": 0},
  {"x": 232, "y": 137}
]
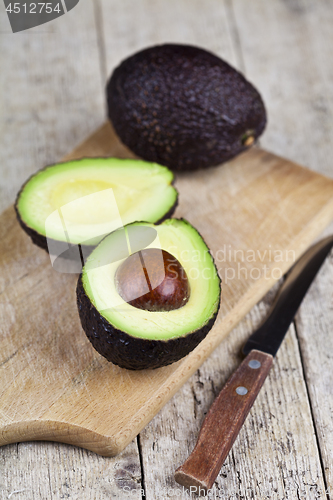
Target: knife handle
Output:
[{"x": 223, "y": 423}]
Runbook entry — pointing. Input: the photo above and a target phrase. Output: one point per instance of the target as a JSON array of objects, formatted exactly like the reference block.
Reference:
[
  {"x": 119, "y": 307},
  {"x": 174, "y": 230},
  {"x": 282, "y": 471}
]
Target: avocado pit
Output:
[{"x": 153, "y": 280}]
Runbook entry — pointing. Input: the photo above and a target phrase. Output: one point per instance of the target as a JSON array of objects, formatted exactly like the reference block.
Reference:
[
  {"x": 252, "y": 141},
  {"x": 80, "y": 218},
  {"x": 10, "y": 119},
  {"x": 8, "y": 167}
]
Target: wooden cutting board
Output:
[{"x": 257, "y": 213}]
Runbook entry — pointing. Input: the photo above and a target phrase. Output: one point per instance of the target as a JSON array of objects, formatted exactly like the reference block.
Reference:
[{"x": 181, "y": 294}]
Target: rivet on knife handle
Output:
[{"x": 223, "y": 423}]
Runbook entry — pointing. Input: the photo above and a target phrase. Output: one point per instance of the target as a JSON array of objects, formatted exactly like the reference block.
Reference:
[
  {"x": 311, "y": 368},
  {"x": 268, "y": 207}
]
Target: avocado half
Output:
[
  {"x": 134, "y": 338},
  {"x": 183, "y": 107},
  {"x": 79, "y": 202}
]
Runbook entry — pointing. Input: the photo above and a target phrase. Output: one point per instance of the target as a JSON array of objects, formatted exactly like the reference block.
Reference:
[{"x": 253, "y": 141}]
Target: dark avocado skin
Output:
[
  {"x": 41, "y": 240},
  {"x": 183, "y": 107},
  {"x": 130, "y": 352}
]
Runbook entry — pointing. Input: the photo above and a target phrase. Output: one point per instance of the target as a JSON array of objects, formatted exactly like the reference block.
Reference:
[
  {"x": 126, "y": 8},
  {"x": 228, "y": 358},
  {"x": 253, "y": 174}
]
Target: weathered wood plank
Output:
[
  {"x": 287, "y": 48},
  {"x": 131, "y": 26},
  {"x": 313, "y": 324},
  {"x": 52, "y": 96},
  {"x": 171, "y": 435},
  {"x": 40, "y": 471}
]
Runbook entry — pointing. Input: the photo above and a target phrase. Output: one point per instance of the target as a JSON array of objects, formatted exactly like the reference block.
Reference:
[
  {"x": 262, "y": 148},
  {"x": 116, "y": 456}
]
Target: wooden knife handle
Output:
[{"x": 223, "y": 423}]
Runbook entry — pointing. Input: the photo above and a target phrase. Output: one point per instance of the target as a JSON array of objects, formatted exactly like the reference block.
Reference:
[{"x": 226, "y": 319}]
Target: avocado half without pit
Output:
[
  {"x": 79, "y": 202},
  {"x": 183, "y": 107},
  {"x": 148, "y": 294}
]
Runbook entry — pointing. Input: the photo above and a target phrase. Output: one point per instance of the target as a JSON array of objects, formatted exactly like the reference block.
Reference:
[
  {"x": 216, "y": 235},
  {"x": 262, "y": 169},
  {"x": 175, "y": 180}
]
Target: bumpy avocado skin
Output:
[
  {"x": 183, "y": 107},
  {"x": 130, "y": 352}
]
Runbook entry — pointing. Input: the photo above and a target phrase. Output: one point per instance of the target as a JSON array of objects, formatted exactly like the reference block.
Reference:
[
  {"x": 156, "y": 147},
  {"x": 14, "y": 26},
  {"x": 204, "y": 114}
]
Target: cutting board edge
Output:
[{"x": 60, "y": 432}]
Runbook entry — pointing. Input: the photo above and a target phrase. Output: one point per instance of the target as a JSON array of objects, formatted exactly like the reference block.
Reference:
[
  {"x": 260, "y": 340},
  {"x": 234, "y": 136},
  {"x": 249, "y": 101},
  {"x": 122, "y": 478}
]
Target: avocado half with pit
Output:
[
  {"x": 183, "y": 107},
  {"x": 148, "y": 294},
  {"x": 78, "y": 202}
]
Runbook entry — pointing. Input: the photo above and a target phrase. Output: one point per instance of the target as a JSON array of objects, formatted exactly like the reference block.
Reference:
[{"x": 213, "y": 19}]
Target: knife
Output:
[{"x": 231, "y": 407}]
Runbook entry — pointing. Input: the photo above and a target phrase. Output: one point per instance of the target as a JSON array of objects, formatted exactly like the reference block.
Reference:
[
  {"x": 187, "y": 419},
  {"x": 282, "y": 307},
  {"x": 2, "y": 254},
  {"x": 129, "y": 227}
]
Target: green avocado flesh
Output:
[
  {"x": 81, "y": 201},
  {"x": 181, "y": 240}
]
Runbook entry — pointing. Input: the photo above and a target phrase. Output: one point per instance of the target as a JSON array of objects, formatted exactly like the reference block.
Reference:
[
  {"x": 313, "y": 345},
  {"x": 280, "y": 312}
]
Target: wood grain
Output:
[
  {"x": 297, "y": 94},
  {"x": 52, "y": 93},
  {"x": 41, "y": 471},
  {"x": 83, "y": 404},
  {"x": 223, "y": 423},
  {"x": 51, "y": 97},
  {"x": 275, "y": 454},
  {"x": 282, "y": 461},
  {"x": 313, "y": 324},
  {"x": 296, "y": 86}
]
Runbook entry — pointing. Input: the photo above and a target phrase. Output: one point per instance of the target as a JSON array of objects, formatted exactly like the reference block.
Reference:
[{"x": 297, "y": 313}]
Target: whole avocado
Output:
[{"x": 183, "y": 107}]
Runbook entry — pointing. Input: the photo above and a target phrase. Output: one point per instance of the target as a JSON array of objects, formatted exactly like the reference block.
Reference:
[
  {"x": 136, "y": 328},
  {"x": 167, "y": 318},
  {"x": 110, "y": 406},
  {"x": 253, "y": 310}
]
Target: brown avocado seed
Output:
[{"x": 154, "y": 280}]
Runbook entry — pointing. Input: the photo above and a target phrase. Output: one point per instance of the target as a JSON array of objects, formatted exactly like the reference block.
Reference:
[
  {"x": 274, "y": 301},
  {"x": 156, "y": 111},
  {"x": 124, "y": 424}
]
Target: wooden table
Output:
[{"x": 52, "y": 96}]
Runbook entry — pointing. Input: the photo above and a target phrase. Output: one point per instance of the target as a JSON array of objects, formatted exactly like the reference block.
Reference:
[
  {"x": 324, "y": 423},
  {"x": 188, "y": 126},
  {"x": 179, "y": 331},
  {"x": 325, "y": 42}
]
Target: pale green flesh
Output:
[
  {"x": 81, "y": 201},
  {"x": 180, "y": 239}
]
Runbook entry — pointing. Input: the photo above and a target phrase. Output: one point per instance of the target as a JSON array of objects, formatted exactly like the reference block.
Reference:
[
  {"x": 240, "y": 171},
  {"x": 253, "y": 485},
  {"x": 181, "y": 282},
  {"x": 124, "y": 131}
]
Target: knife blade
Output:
[{"x": 231, "y": 407}]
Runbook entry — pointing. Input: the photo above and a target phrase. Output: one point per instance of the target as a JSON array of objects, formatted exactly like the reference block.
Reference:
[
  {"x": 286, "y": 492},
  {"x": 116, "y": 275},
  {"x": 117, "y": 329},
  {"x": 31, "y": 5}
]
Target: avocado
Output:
[
  {"x": 78, "y": 202},
  {"x": 183, "y": 107},
  {"x": 151, "y": 303}
]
